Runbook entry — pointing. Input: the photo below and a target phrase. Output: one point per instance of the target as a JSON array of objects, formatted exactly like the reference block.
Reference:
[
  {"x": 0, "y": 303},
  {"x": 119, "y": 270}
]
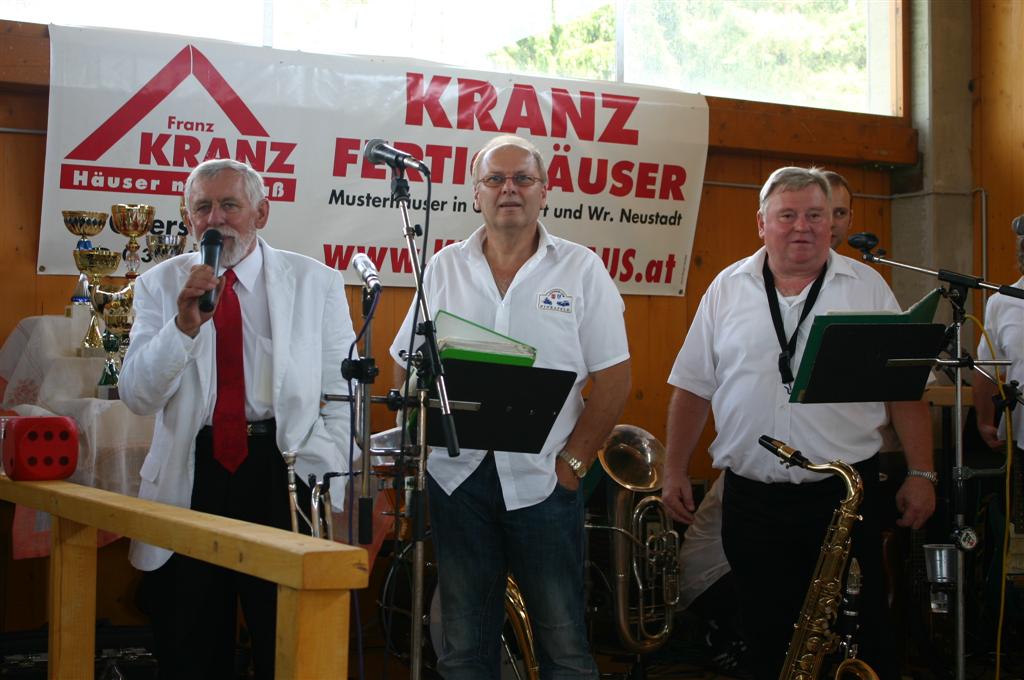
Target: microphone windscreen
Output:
[
  {"x": 1018, "y": 225},
  {"x": 212, "y": 237},
  {"x": 863, "y": 240},
  {"x": 370, "y": 151}
]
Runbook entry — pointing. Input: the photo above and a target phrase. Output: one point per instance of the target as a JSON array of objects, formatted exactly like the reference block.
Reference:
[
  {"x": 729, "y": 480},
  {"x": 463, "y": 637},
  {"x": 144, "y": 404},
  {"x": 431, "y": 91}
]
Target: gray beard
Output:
[{"x": 235, "y": 250}]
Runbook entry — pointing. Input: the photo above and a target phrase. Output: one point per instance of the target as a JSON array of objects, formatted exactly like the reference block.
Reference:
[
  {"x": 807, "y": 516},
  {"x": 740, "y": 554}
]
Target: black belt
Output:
[{"x": 256, "y": 428}]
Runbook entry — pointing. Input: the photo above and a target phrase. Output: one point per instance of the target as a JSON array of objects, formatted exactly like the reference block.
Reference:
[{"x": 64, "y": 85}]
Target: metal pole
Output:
[
  {"x": 417, "y": 523},
  {"x": 958, "y": 490}
]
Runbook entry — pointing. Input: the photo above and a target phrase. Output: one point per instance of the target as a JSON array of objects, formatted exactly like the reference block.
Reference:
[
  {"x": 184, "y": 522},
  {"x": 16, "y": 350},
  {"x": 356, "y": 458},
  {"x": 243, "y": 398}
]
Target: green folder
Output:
[
  {"x": 459, "y": 338},
  {"x": 847, "y": 354}
]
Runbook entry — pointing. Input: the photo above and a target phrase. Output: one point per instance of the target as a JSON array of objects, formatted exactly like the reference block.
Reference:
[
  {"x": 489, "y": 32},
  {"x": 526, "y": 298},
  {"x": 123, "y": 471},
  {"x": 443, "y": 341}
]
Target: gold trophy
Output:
[
  {"x": 133, "y": 221},
  {"x": 96, "y": 262},
  {"x": 116, "y": 309},
  {"x": 83, "y": 224},
  {"x": 165, "y": 246}
]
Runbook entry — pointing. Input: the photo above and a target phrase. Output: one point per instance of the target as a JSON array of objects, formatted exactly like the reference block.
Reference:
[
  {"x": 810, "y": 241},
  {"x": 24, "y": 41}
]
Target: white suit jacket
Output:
[{"x": 311, "y": 333}]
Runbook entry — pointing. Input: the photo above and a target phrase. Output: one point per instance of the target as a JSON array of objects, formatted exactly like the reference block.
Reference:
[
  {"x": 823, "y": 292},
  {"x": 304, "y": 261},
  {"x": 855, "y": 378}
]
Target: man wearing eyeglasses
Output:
[
  {"x": 495, "y": 512},
  {"x": 738, "y": 360}
]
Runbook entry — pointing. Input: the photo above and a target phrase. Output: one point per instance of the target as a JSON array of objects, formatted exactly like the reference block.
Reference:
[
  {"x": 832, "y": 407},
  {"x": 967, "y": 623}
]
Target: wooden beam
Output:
[
  {"x": 24, "y": 55},
  {"x": 72, "y": 600},
  {"x": 299, "y": 562},
  {"x": 317, "y": 623},
  {"x": 797, "y": 131}
]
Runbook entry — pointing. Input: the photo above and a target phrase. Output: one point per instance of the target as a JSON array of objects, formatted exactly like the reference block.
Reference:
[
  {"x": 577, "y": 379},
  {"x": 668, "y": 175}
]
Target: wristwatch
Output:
[
  {"x": 578, "y": 467},
  {"x": 930, "y": 475}
]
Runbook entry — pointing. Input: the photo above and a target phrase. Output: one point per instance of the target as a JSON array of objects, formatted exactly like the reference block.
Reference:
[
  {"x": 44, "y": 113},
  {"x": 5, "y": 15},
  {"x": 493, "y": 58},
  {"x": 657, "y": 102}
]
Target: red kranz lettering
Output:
[
  {"x": 523, "y": 111},
  {"x": 417, "y": 100},
  {"x": 616, "y": 131},
  {"x": 476, "y": 100}
]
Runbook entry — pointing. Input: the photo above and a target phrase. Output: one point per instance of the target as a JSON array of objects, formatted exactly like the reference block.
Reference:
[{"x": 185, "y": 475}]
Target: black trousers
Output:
[
  {"x": 192, "y": 605},
  {"x": 772, "y": 535}
]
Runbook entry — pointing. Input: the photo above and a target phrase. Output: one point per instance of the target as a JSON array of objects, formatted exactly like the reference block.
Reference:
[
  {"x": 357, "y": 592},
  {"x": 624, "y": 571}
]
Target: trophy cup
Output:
[
  {"x": 115, "y": 307},
  {"x": 96, "y": 262},
  {"x": 133, "y": 221},
  {"x": 107, "y": 386},
  {"x": 83, "y": 224},
  {"x": 165, "y": 246}
]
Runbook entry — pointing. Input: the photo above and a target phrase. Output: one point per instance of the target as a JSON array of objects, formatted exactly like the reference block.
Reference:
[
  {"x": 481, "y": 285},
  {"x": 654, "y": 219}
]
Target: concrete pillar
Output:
[{"x": 933, "y": 226}]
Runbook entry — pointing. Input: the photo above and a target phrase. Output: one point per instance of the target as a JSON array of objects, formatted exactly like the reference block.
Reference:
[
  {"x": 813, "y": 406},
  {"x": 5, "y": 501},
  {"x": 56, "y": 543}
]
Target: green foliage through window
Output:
[{"x": 823, "y": 53}]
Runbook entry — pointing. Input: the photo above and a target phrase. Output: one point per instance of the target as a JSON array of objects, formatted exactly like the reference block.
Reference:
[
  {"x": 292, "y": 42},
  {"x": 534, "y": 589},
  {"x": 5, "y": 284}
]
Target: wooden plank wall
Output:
[{"x": 998, "y": 129}]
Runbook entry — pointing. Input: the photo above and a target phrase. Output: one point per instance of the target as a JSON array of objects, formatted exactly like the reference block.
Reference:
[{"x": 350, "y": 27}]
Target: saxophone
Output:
[{"x": 813, "y": 638}]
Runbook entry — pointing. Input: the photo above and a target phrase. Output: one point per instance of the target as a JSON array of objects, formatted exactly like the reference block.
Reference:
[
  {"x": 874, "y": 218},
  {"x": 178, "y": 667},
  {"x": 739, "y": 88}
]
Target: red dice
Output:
[{"x": 37, "y": 448}]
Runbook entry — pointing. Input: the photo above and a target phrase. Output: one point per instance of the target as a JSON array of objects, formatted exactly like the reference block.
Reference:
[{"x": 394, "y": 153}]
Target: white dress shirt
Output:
[
  {"x": 730, "y": 357},
  {"x": 257, "y": 349},
  {"x": 584, "y": 334},
  {"x": 1004, "y": 322}
]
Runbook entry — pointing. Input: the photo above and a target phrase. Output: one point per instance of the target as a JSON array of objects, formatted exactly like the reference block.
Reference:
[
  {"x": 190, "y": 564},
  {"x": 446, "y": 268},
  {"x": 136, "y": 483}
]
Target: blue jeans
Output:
[{"x": 477, "y": 542}]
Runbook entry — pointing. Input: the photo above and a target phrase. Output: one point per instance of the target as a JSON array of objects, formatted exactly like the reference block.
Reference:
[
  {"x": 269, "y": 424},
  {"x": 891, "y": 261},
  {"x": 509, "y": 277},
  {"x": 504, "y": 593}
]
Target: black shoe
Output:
[{"x": 728, "y": 658}]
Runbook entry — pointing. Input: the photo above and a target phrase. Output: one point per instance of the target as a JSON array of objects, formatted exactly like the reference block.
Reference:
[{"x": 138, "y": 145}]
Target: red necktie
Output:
[{"x": 230, "y": 440}]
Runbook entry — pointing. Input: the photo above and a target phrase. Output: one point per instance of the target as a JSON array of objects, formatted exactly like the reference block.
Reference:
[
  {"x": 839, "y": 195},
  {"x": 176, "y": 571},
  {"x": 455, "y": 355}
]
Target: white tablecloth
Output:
[{"x": 44, "y": 377}]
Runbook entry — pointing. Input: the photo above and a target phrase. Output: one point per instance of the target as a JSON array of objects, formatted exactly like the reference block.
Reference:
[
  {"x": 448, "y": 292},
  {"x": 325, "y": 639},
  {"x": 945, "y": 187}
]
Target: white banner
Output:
[{"x": 131, "y": 113}]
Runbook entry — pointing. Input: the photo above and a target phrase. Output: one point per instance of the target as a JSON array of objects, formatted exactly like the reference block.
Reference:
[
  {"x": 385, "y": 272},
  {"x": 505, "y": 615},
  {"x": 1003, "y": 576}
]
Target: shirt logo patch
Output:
[{"x": 555, "y": 300}]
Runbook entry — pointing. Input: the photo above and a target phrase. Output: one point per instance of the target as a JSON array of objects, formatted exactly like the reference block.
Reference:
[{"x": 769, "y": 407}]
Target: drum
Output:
[{"x": 395, "y": 604}]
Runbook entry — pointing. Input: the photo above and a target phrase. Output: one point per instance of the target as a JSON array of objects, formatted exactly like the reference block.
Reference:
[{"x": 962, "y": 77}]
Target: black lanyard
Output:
[{"x": 788, "y": 348}]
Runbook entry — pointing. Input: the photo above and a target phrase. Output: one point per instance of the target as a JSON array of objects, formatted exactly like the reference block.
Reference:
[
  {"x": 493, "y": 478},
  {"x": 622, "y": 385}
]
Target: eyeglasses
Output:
[{"x": 498, "y": 181}]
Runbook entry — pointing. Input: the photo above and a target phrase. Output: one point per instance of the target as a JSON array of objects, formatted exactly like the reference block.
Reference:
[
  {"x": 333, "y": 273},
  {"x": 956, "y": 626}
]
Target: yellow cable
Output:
[{"x": 1006, "y": 494}]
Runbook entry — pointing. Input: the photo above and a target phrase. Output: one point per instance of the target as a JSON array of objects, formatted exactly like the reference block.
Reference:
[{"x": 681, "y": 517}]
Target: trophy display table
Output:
[{"x": 43, "y": 376}]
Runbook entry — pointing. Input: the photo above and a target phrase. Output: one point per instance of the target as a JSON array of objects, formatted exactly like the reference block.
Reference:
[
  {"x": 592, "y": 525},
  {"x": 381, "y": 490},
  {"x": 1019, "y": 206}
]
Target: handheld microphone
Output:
[
  {"x": 864, "y": 241},
  {"x": 210, "y": 247},
  {"x": 367, "y": 272},
  {"x": 1018, "y": 225},
  {"x": 378, "y": 151}
]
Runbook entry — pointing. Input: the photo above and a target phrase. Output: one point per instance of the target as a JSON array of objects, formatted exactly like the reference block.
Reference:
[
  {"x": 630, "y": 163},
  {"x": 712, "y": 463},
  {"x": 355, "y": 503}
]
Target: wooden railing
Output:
[{"x": 313, "y": 576}]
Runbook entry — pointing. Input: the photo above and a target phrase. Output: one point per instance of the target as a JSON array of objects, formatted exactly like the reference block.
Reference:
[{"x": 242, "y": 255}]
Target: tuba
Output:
[
  {"x": 644, "y": 579},
  {"x": 813, "y": 637}
]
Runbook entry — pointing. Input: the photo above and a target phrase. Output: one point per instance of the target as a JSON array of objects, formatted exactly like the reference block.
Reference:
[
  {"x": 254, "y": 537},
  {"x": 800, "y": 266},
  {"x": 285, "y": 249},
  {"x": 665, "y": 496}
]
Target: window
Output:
[{"x": 837, "y": 54}]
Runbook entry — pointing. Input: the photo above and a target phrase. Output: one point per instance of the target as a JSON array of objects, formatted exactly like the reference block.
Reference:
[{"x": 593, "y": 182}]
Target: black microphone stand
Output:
[
  {"x": 964, "y": 537},
  {"x": 365, "y": 371},
  {"x": 429, "y": 371}
]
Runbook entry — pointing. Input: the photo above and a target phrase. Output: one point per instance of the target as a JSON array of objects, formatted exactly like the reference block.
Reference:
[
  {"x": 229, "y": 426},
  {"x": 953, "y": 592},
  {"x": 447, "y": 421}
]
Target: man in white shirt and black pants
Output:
[
  {"x": 495, "y": 512},
  {"x": 231, "y": 389},
  {"x": 732, "y": 364}
]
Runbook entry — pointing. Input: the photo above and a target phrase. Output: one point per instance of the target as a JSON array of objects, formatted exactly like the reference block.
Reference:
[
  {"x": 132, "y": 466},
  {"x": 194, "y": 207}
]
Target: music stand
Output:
[
  {"x": 846, "y": 361},
  {"x": 518, "y": 405}
]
